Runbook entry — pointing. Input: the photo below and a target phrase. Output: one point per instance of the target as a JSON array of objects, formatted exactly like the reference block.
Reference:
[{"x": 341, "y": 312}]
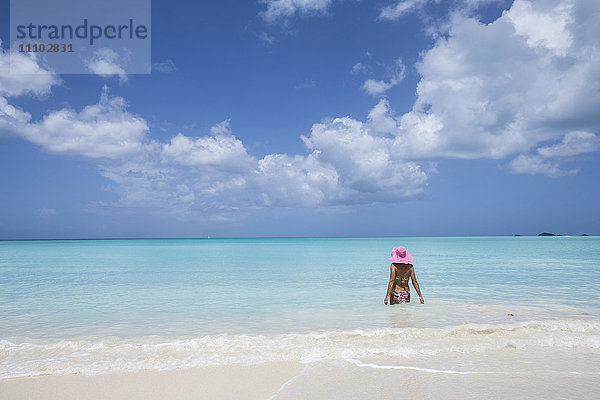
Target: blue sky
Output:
[{"x": 315, "y": 118}]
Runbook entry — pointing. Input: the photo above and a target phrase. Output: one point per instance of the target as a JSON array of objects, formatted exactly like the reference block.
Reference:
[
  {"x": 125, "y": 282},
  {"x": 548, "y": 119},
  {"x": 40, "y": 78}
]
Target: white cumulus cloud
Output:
[
  {"x": 106, "y": 62},
  {"x": 277, "y": 9},
  {"x": 533, "y": 165},
  {"x": 491, "y": 91},
  {"x": 102, "y": 130},
  {"x": 572, "y": 144},
  {"x": 494, "y": 90},
  {"x": 400, "y": 8},
  {"x": 378, "y": 87},
  {"x": 224, "y": 151},
  {"x": 11, "y": 118},
  {"x": 284, "y": 180},
  {"x": 543, "y": 27},
  {"x": 369, "y": 162},
  {"x": 26, "y": 77},
  {"x": 222, "y": 128}
]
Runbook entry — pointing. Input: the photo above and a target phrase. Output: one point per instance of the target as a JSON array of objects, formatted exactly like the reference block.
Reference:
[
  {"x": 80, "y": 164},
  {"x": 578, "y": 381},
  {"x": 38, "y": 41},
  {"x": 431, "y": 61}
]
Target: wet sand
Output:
[
  {"x": 301, "y": 381},
  {"x": 261, "y": 381}
]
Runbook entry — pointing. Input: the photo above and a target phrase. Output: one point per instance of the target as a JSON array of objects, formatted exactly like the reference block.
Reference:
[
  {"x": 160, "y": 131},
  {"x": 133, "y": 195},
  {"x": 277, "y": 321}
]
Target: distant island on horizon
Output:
[
  {"x": 552, "y": 234},
  {"x": 274, "y": 237}
]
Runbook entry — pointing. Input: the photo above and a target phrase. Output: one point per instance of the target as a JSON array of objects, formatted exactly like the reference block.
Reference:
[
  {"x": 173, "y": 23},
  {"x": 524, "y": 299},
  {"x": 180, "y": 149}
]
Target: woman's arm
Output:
[
  {"x": 413, "y": 277},
  {"x": 390, "y": 284}
]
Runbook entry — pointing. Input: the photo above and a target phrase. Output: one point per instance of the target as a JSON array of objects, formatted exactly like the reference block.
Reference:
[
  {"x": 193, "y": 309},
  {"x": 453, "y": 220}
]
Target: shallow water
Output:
[{"x": 93, "y": 306}]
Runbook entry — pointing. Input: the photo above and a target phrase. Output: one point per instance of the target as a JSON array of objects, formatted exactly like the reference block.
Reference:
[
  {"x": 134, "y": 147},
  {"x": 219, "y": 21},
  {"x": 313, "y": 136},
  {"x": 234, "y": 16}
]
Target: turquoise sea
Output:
[{"x": 97, "y": 306}]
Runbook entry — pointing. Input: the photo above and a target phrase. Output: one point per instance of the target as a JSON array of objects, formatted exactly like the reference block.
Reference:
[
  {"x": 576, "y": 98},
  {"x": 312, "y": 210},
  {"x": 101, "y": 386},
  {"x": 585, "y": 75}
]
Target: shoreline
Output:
[
  {"x": 293, "y": 380},
  {"x": 56, "y": 358},
  {"x": 259, "y": 381}
]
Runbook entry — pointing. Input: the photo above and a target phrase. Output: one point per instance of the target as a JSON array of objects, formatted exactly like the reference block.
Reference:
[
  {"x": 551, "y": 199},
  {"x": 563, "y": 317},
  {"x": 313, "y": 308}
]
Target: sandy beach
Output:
[
  {"x": 298, "y": 381},
  {"x": 260, "y": 381}
]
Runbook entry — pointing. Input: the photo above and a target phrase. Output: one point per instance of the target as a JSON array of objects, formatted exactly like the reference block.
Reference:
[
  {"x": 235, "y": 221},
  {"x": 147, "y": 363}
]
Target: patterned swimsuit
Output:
[{"x": 403, "y": 296}]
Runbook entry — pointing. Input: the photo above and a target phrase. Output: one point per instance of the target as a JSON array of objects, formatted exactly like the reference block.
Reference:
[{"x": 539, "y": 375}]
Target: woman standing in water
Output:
[{"x": 401, "y": 270}]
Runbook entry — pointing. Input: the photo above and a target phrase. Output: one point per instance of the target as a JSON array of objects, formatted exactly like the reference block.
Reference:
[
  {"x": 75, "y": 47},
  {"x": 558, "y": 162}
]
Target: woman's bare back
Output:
[{"x": 403, "y": 274}]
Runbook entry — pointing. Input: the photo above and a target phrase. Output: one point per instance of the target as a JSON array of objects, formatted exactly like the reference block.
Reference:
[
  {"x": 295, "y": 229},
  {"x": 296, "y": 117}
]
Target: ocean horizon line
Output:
[{"x": 284, "y": 237}]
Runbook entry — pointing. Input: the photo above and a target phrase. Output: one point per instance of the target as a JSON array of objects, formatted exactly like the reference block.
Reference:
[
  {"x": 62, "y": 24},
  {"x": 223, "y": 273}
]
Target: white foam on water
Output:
[
  {"x": 584, "y": 373},
  {"x": 435, "y": 371},
  {"x": 26, "y": 357}
]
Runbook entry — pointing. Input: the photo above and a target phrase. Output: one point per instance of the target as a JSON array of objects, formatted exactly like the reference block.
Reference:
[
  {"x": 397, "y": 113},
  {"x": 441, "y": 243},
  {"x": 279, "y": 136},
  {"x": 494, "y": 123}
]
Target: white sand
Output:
[
  {"x": 219, "y": 382},
  {"x": 283, "y": 381}
]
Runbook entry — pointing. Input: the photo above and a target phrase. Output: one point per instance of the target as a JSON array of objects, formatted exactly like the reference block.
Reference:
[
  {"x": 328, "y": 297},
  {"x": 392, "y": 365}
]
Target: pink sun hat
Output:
[{"x": 400, "y": 255}]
